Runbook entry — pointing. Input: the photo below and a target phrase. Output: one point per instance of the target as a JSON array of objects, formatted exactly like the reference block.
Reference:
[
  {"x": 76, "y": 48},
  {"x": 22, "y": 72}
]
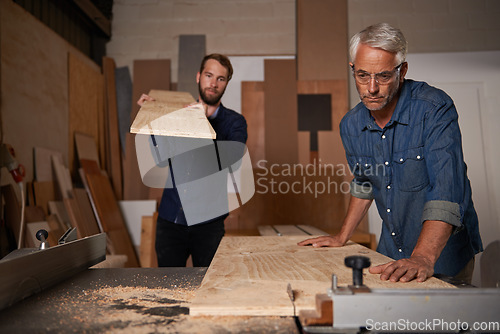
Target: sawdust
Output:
[{"x": 124, "y": 309}]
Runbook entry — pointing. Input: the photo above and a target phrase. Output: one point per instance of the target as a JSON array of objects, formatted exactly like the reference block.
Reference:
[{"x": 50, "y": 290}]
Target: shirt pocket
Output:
[{"x": 410, "y": 170}]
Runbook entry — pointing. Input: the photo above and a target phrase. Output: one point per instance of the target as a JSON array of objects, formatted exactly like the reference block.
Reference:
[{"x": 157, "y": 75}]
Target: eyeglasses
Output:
[{"x": 382, "y": 78}]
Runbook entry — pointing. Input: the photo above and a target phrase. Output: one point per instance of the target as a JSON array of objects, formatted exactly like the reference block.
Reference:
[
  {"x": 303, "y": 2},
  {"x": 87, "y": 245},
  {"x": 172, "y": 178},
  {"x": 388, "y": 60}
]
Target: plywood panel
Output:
[
  {"x": 170, "y": 115},
  {"x": 85, "y": 104},
  {"x": 280, "y": 117},
  {"x": 252, "y": 108},
  {"x": 249, "y": 276},
  {"x": 338, "y": 91},
  {"x": 43, "y": 163},
  {"x": 322, "y": 39},
  {"x": 34, "y": 85},
  {"x": 286, "y": 196}
]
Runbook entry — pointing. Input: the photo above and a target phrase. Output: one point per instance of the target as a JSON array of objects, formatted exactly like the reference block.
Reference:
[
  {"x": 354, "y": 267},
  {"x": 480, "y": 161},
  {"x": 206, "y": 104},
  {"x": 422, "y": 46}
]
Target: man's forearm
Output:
[
  {"x": 355, "y": 213},
  {"x": 433, "y": 237}
]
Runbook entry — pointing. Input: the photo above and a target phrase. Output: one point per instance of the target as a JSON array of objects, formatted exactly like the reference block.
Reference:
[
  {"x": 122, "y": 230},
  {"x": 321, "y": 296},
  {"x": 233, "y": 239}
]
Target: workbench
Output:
[{"x": 124, "y": 300}]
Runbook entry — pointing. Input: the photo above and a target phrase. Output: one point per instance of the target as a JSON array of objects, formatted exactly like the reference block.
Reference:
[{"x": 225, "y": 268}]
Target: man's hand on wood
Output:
[
  {"x": 324, "y": 241},
  {"x": 405, "y": 270}
]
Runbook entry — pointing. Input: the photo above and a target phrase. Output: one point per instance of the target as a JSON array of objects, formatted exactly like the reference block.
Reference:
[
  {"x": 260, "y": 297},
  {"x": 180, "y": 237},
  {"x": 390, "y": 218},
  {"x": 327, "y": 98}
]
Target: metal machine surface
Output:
[
  {"x": 358, "y": 308},
  {"x": 27, "y": 271}
]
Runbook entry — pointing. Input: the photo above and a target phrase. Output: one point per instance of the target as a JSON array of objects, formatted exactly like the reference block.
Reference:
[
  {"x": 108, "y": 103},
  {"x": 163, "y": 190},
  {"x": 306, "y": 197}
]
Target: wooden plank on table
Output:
[
  {"x": 322, "y": 39},
  {"x": 43, "y": 163},
  {"x": 169, "y": 116},
  {"x": 148, "y": 75},
  {"x": 148, "y": 237},
  {"x": 280, "y": 119},
  {"x": 249, "y": 276},
  {"x": 114, "y": 160},
  {"x": 252, "y": 108},
  {"x": 110, "y": 217}
]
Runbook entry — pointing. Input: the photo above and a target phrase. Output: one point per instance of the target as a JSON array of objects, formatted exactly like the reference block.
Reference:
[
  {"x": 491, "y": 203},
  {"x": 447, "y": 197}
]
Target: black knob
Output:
[
  {"x": 42, "y": 235},
  {"x": 357, "y": 263}
]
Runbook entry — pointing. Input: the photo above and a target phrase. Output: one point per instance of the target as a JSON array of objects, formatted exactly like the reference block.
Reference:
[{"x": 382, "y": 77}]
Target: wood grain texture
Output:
[
  {"x": 249, "y": 276},
  {"x": 170, "y": 115},
  {"x": 86, "y": 103},
  {"x": 148, "y": 237},
  {"x": 280, "y": 119},
  {"x": 322, "y": 39},
  {"x": 252, "y": 108},
  {"x": 339, "y": 95}
]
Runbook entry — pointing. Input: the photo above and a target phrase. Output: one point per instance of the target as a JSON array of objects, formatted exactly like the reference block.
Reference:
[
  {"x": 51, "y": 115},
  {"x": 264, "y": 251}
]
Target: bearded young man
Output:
[
  {"x": 175, "y": 239},
  {"x": 403, "y": 145}
]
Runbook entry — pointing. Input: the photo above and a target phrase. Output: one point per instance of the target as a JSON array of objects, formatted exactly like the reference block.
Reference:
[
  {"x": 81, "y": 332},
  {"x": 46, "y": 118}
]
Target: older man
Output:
[{"x": 403, "y": 145}]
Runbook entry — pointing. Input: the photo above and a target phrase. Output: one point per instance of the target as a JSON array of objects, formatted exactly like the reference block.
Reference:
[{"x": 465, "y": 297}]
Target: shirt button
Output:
[
  {"x": 383, "y": 136},
  {"x": 386, "y": 163},
  {"x": 389, "y": 187},
  {"x": 418, "y": 156},
  {"x": 393, "y": 233},
  {"x": 401, "y": 159},
  {"x": 400, "y": 250},
  {"x": 388, "y": 210}
]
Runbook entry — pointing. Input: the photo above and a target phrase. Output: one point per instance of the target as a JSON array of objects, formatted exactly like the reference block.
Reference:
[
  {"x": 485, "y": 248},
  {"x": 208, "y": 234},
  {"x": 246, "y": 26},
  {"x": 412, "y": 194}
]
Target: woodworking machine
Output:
[
  {"x": 27, "y": 271},
  {"x": 357, "y": 308}
]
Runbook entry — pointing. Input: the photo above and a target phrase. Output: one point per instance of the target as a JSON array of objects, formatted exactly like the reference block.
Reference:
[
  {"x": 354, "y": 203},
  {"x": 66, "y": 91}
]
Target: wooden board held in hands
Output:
[{"x": 170, "y": 115}]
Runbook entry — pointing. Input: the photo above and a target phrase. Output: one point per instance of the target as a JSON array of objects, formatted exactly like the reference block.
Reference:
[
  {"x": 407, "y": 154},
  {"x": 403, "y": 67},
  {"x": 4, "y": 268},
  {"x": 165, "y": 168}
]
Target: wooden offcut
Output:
[
  {"x": 110, "y": 217},
  {"x": 249, "y": 276},
  {"x": 172, "y": 114}
]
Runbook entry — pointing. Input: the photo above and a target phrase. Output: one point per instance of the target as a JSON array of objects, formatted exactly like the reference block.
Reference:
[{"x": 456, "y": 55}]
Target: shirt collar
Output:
[{"x": 215, "y": 112}]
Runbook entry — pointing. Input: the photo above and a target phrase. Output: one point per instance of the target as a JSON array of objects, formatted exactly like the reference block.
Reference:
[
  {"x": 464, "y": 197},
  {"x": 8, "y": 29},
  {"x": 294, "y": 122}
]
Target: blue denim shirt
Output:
[{"x": 415, "y": 171}]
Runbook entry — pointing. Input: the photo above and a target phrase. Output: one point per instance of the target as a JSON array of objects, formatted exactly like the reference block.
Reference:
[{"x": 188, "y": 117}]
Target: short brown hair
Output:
[{"x": 223, "y": 60}]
